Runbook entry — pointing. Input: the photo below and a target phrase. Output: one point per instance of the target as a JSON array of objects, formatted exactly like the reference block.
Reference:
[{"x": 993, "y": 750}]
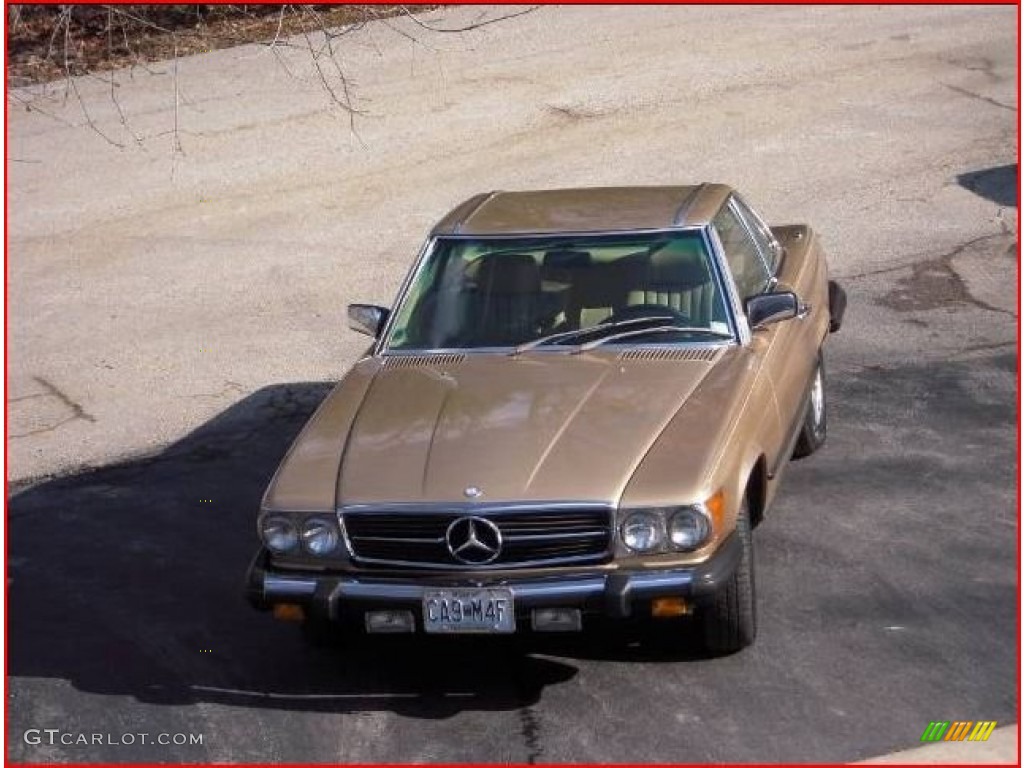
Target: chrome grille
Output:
[{"x": 542, "y": 536}]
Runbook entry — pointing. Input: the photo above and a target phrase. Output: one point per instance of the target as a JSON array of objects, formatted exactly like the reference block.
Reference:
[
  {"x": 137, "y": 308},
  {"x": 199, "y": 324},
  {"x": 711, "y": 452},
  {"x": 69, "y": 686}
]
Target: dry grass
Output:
[{"x": 48, "y": 42}]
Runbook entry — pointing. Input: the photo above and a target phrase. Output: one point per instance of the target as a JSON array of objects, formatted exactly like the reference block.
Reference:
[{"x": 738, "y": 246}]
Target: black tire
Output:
[
  {"x": 728, "y": 623},
  {"x": 815, "y": 426}
]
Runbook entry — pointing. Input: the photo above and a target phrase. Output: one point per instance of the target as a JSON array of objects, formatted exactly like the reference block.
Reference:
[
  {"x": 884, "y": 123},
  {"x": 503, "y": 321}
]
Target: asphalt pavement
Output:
[{"x": 176, "y": 316}]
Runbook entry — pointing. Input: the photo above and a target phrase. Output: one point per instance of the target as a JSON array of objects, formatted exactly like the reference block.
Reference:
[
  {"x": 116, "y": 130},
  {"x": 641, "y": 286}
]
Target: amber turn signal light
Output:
[
  {"x": 670, "y": 607},
  {"x": 716, "y": 508},
  {"x": 289, "y": 612}
]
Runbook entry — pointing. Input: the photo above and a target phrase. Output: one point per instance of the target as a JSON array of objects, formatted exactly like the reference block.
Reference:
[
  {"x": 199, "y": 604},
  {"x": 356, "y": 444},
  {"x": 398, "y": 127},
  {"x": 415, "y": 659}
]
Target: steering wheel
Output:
[{"x": 637, "y": 311}]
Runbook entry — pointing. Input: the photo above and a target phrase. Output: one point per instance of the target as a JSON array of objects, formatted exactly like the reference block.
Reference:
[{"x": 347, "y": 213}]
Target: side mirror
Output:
[
  {"x": 367, "y": 318},
  {"x": 769, "y": 308}
]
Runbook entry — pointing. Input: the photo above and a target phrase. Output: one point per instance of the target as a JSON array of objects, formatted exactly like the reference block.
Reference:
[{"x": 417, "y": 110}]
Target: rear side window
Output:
[{"x": 745, "y": 261}]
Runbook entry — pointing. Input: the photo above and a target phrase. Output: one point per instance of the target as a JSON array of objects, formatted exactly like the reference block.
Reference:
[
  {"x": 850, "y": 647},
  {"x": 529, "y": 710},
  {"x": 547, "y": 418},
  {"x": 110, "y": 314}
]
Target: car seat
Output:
[
  {"x": 506, "y": 299},
  {"x": 678, "y": 277}
]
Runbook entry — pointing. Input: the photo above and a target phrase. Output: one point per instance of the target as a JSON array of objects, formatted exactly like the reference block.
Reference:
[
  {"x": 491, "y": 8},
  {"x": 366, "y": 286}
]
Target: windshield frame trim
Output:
[
  {"x": 380, "y": 345},
  {"x": 553, "y": 349}
]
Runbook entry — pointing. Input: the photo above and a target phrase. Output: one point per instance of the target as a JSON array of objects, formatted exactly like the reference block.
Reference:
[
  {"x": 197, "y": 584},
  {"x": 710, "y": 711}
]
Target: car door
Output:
[
  {"x": 799, "y": 342},
  {"x": 753, "y": 259}
]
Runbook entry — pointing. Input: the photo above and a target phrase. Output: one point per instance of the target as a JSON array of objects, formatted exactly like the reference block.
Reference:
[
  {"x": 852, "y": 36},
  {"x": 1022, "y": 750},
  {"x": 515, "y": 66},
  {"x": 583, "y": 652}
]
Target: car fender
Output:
[{"x": 713, "y": 443}]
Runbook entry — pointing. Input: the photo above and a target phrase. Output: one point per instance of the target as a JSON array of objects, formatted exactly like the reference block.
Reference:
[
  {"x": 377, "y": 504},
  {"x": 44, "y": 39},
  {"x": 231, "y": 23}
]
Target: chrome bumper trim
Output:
[
  {"x": 613, "y": 593},
  {"x": 279, "y": 586}
]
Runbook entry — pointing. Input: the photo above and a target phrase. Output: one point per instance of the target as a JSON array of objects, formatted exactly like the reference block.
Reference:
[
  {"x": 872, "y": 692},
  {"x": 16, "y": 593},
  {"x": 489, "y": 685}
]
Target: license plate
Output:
[{"x": 468, "y": 610}]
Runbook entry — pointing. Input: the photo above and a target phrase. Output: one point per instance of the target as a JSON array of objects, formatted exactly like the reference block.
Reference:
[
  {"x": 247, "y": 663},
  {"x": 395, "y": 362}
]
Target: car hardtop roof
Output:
[{"x": 584, "y": 209}]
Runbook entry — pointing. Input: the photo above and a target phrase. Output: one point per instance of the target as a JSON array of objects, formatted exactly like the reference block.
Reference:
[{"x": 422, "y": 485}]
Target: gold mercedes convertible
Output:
[{"x": 578, "y": 410}]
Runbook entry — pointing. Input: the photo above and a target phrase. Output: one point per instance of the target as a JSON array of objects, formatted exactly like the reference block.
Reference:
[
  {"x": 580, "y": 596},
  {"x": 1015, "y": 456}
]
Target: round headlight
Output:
[
  {"x": 279, "y": 533},
  {"x": 642, "y": 532},
  {"x": 319, "y": 537},
  {"x": 688, "y": 528}
]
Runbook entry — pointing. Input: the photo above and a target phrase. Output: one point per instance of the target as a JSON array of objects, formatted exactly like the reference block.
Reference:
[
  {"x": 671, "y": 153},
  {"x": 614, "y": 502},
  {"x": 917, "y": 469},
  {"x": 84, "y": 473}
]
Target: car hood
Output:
[{"x": 541, "y": 426}]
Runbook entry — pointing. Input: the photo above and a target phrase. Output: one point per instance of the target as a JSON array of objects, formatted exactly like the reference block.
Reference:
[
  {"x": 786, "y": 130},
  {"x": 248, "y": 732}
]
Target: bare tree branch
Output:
[
  {"x": 139, "y": 20},
  {"x": 176, "y": 136},
  {"x": 33, "y": 106},
  {"x": 137, "y": 59},
  {"x": 280, "y": 24},
  {"x": 415, "y": 40},
  {"x": 80, "y": 44},
  {"x": 69, "y": 81},
  {"x": 14, "y": 19},
  {"x": 88, "y": 117},
  {"x": 113, "y": 84},
  {"x": 62, "y": 20},
  {"x": 469, "y": 27}
]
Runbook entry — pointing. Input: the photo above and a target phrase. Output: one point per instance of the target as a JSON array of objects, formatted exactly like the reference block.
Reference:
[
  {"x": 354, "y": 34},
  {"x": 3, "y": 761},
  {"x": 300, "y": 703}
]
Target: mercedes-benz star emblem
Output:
[{"x": 473, "y": 540}]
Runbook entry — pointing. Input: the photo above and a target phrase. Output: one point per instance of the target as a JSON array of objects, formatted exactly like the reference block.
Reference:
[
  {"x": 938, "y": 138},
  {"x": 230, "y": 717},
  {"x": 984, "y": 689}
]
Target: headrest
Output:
[
  {"x": 508, "y": 273},
  {"x": 566, "y": 260},
  {"x": 679, "y": 265}
]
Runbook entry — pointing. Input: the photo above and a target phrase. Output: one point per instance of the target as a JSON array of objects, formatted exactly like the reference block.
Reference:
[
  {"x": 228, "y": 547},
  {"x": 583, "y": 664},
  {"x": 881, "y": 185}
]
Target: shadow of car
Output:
[{"x": 124, "y": 580}]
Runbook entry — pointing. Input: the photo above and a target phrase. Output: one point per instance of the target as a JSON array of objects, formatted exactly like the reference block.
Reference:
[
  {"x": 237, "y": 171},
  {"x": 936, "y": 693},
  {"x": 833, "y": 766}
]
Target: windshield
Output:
[{"x": 542, "y": 291}]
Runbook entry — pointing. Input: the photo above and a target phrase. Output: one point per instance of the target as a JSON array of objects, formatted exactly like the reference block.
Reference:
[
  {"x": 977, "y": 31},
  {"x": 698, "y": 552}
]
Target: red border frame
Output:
[{"x": 563, "y": 2}]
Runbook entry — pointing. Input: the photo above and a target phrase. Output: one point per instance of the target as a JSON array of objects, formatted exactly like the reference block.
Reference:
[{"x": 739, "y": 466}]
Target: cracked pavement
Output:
[{"x": 174, "y": 319}]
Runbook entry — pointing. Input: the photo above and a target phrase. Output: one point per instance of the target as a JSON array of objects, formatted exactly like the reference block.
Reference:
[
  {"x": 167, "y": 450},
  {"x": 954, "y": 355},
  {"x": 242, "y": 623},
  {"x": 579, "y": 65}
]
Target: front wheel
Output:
[
  {"x": 815, "y": 426},
  {"x": 728, "y": 622}
]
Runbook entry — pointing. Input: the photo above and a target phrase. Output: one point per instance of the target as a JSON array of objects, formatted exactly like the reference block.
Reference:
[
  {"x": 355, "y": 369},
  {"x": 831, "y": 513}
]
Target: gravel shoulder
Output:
[{"x": 150, "y": 288}]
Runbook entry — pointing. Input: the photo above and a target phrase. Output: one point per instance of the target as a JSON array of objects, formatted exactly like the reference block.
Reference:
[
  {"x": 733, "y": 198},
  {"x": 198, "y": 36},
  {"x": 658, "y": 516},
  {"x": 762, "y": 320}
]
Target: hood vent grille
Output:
[
  {"x": 668, "y": 354},
  {"x": 419, "y": 361}
]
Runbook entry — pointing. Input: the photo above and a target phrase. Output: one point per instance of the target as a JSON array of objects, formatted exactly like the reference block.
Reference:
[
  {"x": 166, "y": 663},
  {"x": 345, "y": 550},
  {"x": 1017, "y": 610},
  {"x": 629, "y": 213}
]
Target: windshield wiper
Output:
[
  {"x": 643, "y": 331},
  {"x": 600, "y": 328}
]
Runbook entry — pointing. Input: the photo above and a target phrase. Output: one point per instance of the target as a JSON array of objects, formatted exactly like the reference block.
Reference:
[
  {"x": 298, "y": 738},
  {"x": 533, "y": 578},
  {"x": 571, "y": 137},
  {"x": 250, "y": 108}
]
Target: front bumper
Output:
[{"x": 622, "y": 594}]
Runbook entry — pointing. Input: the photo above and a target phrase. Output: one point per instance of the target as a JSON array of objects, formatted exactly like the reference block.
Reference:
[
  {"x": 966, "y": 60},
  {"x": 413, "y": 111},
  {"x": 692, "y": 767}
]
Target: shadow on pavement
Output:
[
  {"x": 887, "y": 581},
  {"x": 997, "y": 184},
  {"x": 128, "y": 580}
]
